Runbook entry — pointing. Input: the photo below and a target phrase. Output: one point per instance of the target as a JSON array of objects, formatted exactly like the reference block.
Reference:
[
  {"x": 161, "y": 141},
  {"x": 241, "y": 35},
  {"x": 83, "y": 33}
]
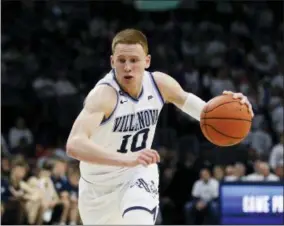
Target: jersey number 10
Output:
[{"x": 134, "y": 139}]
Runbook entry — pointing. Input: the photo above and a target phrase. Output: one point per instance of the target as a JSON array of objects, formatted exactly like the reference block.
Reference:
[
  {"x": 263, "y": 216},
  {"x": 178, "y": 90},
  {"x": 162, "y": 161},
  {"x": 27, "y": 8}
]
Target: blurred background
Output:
[{"x": 54, "y": 52}]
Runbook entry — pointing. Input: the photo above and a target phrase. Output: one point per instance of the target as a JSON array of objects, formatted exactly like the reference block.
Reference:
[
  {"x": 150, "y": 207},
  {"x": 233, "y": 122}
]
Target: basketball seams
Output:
[
  {"x": 240, "y": 119},
  {"x": 219, "y": 106},
  {"x": 222, "y": 133},
  {"x": 217, "y": 110},
  {"x": 204, "y": 121}
]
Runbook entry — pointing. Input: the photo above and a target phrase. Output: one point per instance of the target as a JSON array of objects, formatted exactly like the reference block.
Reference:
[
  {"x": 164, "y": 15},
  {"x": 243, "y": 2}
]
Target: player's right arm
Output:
[{"x": 100, "y": 103}]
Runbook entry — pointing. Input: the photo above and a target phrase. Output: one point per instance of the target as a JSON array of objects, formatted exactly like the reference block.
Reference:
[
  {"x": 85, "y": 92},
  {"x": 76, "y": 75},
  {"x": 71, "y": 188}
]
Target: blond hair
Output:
[{"x": 130, "y": 36}]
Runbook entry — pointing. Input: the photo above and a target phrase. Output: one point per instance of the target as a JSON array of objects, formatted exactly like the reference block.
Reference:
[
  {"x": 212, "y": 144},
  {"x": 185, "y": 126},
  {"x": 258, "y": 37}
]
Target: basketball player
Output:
[{"x": 112, "y": 135}]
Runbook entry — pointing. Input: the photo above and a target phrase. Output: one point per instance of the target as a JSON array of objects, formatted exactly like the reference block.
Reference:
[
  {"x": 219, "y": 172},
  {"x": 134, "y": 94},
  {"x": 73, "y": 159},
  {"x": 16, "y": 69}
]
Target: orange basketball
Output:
[{"x": 225, "y": 121}]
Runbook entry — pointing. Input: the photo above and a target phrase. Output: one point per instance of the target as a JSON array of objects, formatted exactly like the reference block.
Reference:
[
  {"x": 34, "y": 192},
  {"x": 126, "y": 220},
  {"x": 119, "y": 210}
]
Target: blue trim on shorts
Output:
[
  {"x": 153, "y": 211},
  {"x": 157, "y": 88},
  {"x": 117, "y": 100},
  {"x": 85, "y": 180}
]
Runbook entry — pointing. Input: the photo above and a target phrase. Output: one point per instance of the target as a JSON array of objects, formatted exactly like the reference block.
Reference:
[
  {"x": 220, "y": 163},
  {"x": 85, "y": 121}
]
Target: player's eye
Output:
[
  {"x": 121, "y": 61},
  {"x": 133, "y": 60}
]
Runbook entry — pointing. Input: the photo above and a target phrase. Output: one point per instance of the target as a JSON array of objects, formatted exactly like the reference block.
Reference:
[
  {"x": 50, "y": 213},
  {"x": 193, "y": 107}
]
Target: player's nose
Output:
[{"x": 127, "y": 67}]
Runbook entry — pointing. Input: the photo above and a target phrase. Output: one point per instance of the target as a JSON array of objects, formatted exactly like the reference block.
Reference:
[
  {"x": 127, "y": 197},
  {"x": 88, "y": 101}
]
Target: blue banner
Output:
[{"x": 251, "y": 203}]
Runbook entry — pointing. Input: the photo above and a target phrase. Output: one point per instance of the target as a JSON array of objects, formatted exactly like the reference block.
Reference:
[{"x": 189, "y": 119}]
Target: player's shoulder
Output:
[
  {"x": 107, "y": 78},
  {"x": 104, "y": 88},
  {"x": 167, "y": 85},
  {"x": 159, "y": 76},
  {"x": 101, "y": 96},
  {"x": 163, "y": 80}
]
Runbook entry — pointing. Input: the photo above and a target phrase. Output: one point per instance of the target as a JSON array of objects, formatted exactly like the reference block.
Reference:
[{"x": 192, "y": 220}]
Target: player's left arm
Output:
[{"x": 189, "y": 103}]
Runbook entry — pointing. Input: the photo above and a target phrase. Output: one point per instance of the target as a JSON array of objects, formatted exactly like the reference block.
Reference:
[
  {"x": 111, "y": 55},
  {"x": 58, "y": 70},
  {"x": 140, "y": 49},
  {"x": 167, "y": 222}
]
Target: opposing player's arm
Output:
[
  {"x": 100, "y": 103},
  {"x": 173, "y": 93}
]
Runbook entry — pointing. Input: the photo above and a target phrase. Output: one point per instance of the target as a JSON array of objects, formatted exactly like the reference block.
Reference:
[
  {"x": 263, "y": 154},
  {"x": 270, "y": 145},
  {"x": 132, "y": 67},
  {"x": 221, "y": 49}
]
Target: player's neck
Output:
[{"x": 134, "y": 90}]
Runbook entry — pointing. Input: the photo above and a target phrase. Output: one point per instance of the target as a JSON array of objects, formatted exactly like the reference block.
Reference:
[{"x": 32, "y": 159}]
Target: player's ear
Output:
[
  {"x": 148, "y": 61},
  {"x": 111, "y": 61}
]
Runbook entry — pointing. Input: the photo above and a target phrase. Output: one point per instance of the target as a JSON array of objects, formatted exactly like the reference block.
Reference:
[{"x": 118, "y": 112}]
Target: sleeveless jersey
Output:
[{"x": 130, "y": 128}]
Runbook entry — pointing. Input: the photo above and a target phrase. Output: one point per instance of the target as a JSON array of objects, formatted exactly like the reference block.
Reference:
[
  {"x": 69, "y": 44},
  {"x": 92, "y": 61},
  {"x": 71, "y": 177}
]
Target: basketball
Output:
[{"x": 225, "y": 121}]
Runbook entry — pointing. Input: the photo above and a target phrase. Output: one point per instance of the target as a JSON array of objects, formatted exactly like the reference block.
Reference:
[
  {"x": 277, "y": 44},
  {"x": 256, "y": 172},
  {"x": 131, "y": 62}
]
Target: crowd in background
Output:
[{"x": 54, "y": 52}]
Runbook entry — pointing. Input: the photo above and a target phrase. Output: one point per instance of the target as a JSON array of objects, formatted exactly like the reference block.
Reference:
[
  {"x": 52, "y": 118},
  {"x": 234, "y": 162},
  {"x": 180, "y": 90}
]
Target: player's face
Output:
[{"x": 129, "y": 62}]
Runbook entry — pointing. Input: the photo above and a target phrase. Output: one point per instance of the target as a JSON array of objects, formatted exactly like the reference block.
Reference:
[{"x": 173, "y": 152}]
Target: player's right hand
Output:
[{"x": 145, "y": 157}]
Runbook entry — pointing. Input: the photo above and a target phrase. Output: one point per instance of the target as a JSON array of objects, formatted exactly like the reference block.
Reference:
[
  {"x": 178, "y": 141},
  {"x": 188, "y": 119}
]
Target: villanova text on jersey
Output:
[{"x": 137, "y": 121}]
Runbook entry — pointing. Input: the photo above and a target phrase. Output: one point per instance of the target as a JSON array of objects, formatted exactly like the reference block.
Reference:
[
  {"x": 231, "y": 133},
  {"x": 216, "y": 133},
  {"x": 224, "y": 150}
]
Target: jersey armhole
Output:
[
  {"x": 106, "y": 119},
  {"x": 157, "y": 88}
]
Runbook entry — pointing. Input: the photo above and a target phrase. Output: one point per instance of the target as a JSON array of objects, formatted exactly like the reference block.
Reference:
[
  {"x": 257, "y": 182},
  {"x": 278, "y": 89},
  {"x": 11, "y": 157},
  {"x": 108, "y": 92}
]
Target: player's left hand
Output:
[{"x": 243, "y": 99}]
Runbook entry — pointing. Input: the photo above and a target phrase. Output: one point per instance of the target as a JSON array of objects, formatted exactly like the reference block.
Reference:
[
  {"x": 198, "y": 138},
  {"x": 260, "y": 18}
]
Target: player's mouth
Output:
[{"x": 128, "y": 77}]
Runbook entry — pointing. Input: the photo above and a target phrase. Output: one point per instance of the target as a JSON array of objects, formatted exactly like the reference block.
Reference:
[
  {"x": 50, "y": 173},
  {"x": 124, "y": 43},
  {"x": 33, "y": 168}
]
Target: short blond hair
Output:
[{"x": 130, "y": 36}]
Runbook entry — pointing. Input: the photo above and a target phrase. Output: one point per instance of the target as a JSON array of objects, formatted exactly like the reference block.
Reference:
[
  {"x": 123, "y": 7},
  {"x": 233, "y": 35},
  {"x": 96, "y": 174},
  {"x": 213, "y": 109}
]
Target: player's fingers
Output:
[
  {"x": 146, "y": 158},
  {"x": 238, "y": 95},
  {"x": 151, "y": 155},
  {"x": 142, "y": 162},
  {"x": 227, "y": 92},
  {"x": 251, "y": 111},
  {"x": 244, "y": 100},
  {"x": 156, "y": 155}
]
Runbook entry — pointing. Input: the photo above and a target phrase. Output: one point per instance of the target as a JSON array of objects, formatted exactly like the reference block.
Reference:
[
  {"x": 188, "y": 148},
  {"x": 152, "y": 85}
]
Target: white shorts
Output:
[{"x": 107, "y": 205}]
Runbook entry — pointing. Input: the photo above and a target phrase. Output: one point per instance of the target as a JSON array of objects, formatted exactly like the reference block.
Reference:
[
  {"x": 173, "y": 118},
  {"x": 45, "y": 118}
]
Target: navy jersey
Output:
[
  {"x": 5, "y": 191},
  {"x": 60, "y": 184},
  {"x": 73, "y": 190}
]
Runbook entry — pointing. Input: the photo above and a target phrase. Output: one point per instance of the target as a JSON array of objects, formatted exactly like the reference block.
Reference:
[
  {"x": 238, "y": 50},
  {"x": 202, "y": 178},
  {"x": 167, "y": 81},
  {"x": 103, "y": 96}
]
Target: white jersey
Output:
[{"x": 130, "y": 128}]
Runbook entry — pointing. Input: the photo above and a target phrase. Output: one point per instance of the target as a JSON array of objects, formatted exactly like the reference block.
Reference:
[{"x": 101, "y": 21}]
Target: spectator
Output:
[
  {"x": 230, "y": 173},
  {"x": 61, "y": 210},
  {"x": 5, "y": 168},
  {"x": 44, "y": 87},
  {"x": 277, "y": 154},
  {"x": 22, "y": 198},
  {"x": 221, "y": 82},
  {"x": 240, "y": 171},
  {"x": 63, "y": 86},
  {"x": 18, "y": 132},
  {"x": 218, "y": 173},
  {"x": 261, "y": 141},
  {"x": 44, "y": 184},
  {"x": 263, "y": 174},
  {"x": 278, "y": 80},
  {"x": 5, "y": 194},
  {"x": 4, "y": 147},
  {"x": 277, "y": 117},
  {"x": 72, "y": 186},
  {"x": 279, "y": 171},
  {"x": 204, "y": 193},
  {"x": 166, "y": 193},
  {"x": 23, "y": 148}
]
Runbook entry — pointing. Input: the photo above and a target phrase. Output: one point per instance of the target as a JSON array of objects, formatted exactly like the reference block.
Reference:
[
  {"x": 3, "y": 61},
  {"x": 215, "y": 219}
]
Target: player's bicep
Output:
[
  {"x": 94, "y": 111},
  {"x": 170, "y": 89},
  {"x": 86, "y": 122}
]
